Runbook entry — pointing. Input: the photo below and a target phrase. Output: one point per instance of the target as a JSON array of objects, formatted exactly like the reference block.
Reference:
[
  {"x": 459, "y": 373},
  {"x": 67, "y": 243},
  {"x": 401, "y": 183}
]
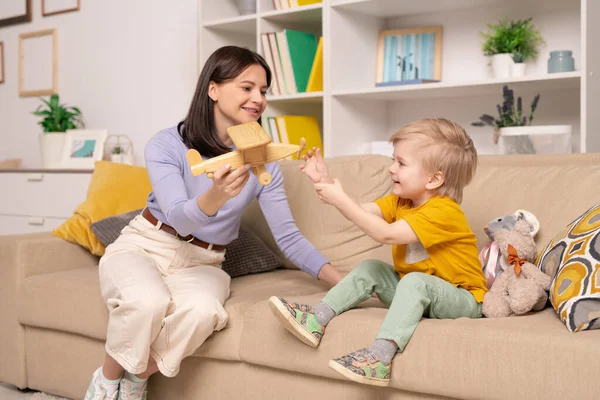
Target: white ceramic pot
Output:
[
  {"x": 517, "y": 69},
  {"x": 501, "y": 65},
  {"x": 52, "y": 146},
  {"x": 116, "y": 158},
  {"x": 127, "y": 159},
  {"x": 542, "y": 139}
]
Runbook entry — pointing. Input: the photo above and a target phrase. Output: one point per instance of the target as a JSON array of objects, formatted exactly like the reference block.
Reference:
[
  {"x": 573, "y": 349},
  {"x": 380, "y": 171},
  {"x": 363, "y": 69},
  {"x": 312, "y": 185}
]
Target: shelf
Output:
[
  {"x": 242, "y": 24},
  {"x": 306, "y": 97},
  {"x": 396, "y": 8},
  {"x": 539, "y": 83},
  {"x": 311, "y": 14}
]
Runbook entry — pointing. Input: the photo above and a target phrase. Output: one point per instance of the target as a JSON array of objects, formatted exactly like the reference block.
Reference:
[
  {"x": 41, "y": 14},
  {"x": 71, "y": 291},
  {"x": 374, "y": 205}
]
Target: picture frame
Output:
[
  {"x": 1, "y": 62},
  {"x": 15, "y": 12},
  {"x": 38, "y": 63},
  {"x": 83, "y": 147},
  {"x": 53, "y": 7},
  {"x": 409, "y": 56}
]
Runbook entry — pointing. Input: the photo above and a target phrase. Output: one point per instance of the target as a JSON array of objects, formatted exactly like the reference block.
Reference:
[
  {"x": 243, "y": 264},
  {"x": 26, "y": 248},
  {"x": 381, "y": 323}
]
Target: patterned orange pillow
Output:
[{"x": 573, "y": 259}]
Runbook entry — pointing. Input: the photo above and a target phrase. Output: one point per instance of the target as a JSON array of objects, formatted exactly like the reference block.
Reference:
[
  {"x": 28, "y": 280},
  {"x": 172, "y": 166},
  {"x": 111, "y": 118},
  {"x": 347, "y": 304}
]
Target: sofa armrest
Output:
[
  {"x": 22, "y": 256},
  {"x": 42, "y": 253}
]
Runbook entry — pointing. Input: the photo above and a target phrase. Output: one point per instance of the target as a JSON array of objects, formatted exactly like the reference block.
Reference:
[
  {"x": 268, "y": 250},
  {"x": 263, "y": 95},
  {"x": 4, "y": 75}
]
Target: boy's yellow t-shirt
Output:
[{"x": 447, "y": 248}]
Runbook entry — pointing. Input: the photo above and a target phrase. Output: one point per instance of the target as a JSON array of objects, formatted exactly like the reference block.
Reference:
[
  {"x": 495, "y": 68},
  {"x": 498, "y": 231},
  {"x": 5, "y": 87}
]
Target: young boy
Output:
[{"x": 436, "y": 272}]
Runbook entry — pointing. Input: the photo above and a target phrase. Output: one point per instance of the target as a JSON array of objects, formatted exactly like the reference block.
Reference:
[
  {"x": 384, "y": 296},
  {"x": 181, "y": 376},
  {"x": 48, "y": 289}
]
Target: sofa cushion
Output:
[
  {"x": 365, "y": 179},
  {"x": 572, "y": 258},
  {"x": 114, "y": 189},
  {"x": 70, "y": 301},
  {"x": 556, "y": 189},
  {"x": 496, "y": 358},
  {"x": 246, "y": 254}
]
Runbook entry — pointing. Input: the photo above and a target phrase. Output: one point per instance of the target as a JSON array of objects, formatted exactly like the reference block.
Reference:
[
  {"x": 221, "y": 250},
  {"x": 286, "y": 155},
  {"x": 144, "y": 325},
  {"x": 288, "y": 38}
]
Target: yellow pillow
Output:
[{"x": 114, "y": 189}]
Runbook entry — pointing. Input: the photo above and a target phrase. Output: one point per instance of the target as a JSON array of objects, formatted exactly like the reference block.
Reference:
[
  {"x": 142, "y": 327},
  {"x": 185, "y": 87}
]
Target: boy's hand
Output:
[
  {"x": 315, "y": 168},
  {"x": 331, "y": 193}
]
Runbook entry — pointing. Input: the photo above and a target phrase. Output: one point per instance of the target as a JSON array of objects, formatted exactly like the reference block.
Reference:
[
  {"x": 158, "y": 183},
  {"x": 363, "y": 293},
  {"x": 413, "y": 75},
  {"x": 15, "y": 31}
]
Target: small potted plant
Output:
[
  {"x": 514, "y": 133},
  {"x": 116, "y": 154},
  {"x": 511, "y": 116},
  {"x": 510, "y": 44},
  {"x": 56, "y": 119}
]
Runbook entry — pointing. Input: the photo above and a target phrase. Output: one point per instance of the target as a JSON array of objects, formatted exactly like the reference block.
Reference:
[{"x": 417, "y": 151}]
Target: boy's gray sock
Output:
[
  {"x": 384, "y": 349},
  {"x": 324, "y": 313}
]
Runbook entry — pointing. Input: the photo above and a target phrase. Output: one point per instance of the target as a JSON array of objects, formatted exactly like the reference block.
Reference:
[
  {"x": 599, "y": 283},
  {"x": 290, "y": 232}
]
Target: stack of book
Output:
[
  {"x": 284, "y": 4},
  {"x": 290, "y": 129},
  {"x": 296, "y": 61}
]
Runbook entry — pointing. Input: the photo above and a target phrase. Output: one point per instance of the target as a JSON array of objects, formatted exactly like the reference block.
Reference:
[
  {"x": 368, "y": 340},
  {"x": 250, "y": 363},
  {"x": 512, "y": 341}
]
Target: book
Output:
[
  {"x": 315, "y": 79},
  {"x": 301, "y": 48},
  {"x": 278, "y": 72},
  {"x": 406, "y": 82},
  {"x": 268, "y": 55},
  {"x": 286, "y": 62},
  {"x": 293, "y": 127}
]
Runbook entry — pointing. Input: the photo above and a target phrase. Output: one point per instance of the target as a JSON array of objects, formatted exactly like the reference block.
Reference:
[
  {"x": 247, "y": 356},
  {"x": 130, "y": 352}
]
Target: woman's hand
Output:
[
  {"x": 331, "y": 193},
  {"x": 315, "y": 168},
  {"x": 226, "y": 185}
]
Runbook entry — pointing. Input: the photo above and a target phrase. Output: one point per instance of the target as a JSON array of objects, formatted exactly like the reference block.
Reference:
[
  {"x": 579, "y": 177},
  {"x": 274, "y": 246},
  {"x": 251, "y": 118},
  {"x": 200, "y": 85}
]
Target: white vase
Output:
[
  {"x": 536, "y": 139},
  {"x": 517, "y": 69},
  {"x": 116, "y": 158},
  {"x": 52, "y": 146},
  {"x": 501, "y": 65}
]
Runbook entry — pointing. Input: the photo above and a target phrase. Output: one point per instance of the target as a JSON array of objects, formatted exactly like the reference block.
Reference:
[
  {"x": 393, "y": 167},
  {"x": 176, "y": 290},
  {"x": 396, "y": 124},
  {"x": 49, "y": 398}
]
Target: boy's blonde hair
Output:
[{"x": 447, "y": 148}]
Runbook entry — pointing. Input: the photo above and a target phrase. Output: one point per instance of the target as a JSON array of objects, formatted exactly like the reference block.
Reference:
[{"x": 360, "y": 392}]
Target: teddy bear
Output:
[
  {"x": 490, "y": 256},
  {"x": 521, "y": 287}
]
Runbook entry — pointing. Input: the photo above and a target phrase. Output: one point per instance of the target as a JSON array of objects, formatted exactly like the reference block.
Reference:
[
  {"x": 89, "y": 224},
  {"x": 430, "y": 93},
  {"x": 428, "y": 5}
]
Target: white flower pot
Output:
[
  {"x": 543, "y": 139},
  {"x": 116, "y": 158},
  {"x": 501, "y": 65},
  {"x": 51, "y": 147},
  {"x": 517, "y": 69}
]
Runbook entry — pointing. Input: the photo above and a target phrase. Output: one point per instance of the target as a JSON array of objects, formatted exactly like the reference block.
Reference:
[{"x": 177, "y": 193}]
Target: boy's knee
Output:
[
  {"x": 414, "y": 279},
  {"x": 368, "y": 268}
]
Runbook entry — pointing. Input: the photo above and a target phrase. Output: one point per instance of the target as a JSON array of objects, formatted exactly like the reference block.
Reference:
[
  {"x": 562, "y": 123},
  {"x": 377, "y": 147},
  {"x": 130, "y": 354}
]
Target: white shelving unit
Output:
[{"x": 353, "y": 112}]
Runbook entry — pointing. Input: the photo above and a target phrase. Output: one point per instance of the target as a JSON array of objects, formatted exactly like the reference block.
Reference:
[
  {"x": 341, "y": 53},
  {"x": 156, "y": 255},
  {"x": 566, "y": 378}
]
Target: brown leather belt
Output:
[{"x": 190, "y": 239}]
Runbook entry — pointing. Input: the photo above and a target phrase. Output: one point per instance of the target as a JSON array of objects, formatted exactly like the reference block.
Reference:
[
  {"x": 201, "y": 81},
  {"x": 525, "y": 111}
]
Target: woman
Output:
[{"x": 161, "y": 279}]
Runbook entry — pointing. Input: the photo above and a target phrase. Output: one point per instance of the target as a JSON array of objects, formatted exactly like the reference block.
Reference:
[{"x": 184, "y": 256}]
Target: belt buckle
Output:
[{"x": 180, "y": 238}]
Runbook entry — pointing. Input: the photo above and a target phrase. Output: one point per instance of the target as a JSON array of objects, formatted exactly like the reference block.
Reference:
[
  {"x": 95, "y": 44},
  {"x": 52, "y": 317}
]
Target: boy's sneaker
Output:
[
  {"x": 363, "y": 366},
  {"x": 100, "y": 388},
  {"x": 299, "y": 319},
  {"x": 132, "y": 388}
]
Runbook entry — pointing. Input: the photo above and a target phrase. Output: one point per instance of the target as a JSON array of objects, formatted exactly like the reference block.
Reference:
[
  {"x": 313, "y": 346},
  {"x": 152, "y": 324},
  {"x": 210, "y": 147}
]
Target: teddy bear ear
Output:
[{"x": 523, "y": 227}]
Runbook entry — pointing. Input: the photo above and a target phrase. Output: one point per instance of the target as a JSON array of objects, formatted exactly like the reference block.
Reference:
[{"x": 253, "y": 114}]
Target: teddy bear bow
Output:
[{"x": 514, "y": 259}]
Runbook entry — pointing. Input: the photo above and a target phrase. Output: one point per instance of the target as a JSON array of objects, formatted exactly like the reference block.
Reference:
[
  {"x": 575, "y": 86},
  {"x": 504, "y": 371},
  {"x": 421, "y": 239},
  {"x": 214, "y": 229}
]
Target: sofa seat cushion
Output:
[
  {"x": 531, "y": 356},
  {"x": 70, "y": 301}
]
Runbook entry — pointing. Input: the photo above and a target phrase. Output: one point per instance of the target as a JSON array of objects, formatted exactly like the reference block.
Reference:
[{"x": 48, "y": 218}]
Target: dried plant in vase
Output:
[{"x": 510, "y": 115}]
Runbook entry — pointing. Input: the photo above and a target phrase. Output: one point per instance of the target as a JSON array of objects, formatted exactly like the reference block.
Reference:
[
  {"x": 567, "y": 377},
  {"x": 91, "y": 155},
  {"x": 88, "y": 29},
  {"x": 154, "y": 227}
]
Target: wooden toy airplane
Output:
[{"x": 254, "y": 147}]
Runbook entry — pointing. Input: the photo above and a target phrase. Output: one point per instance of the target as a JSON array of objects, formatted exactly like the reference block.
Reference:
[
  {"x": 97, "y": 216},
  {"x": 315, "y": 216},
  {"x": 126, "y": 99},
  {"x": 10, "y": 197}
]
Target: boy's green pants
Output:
[{"x": 409, "y": 299}]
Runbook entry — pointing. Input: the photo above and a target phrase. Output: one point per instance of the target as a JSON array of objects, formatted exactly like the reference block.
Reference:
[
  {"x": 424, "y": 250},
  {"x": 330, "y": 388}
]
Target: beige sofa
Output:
[{"x": 53, "y": 321}]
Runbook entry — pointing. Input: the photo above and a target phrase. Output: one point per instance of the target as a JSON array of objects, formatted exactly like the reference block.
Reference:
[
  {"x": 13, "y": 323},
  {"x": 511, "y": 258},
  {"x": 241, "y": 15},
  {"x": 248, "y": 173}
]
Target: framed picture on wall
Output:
[
  {"x": 53, "y": 7},
  {"x": 14, "y": 12},
  {"x": 83, "y": 147},
  {"x": 409, "y": 56},
  {"x": 38, "y": 63},
  {"x": 1, "y": 62}
]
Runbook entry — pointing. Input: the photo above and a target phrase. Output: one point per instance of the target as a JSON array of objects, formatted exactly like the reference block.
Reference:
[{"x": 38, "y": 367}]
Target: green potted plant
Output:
[
  {"x": 510, "y": 44},
  {"x": 56, "y": 119}
]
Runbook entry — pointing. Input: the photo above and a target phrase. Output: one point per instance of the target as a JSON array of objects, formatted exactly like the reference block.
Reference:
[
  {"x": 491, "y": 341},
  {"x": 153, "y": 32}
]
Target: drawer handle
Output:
[
  {"x": 37, "y": 221},
  {"x": 35, "y": 178}
]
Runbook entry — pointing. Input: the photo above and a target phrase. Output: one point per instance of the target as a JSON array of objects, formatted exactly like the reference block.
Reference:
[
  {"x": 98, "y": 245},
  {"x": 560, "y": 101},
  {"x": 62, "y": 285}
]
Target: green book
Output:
[{"x": 302, "y": 49}]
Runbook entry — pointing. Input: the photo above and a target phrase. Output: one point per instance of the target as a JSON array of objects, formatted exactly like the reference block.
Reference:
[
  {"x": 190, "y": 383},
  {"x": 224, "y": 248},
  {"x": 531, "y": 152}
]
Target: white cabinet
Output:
[
  {"x": 39, "y": 201},
  {"x": 354, "y": 112}
]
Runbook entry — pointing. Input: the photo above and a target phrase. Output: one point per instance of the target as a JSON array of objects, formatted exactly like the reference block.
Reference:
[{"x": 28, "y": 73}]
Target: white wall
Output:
[{"x": 130, "y": 66}]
